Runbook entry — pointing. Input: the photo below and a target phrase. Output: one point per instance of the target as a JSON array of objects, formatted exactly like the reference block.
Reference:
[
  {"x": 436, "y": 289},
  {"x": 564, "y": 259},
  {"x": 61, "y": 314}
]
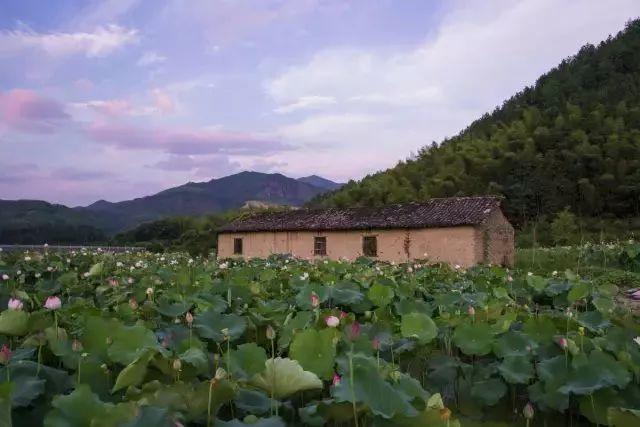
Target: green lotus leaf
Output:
[
  {"x": 370, "y": 389},
  {"x": 210, "y": 325},
  {"x": 601, "y": 371},
  {"x": 247, "y": 360},
  {"x": 380, "y": 295},
  {"x": 315, "y": 351},
  {"x": 623, "y": 417},
  {"x": 540, "y": 328},
  {"x": 5, "y": 404},
  {"x": 547, "y": 398},
  {"x": 489, "y": 392},
  {"x": 68, "y": 279},
  {"x": 300, "y": 321},
  {"x": 195, "y": 357},
  {"x": 130, "y": 342},
  {"x": 152, "y": 416},
  {"x": 594, "y": 321},
  {"x": 253, "y": 421},
  {"x": 346, "y": 293},
  {"x": 26, "y": 388},
  {"x": 514, "y": 344},
  {"x": 133, "y": 373},
  {"x": 175, "y": 309},
  {"x": 595, "y": 406},
  {"x": 84, "y": 408},
  {"x": 474, "y": 338},
  {"x": 516, "y": 369},
  {"x": 96, "y": 269},
  {"x": 578, "y": 291},
  {"x": 283, "y": 377},
  {"x": 13, "y": 322},
  {"x": 253, "y": 401},
  {"x": 537, "y": 283},
  {"x": 419, "y": 326}
]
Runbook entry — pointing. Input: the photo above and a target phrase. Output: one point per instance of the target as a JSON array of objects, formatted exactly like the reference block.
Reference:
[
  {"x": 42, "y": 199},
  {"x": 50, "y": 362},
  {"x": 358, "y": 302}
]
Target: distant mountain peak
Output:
[{"x": 320, "y": 182}]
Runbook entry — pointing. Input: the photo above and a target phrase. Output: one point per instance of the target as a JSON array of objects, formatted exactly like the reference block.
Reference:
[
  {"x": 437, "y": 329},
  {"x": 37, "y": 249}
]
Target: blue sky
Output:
[{"x": 122, "y": 98}]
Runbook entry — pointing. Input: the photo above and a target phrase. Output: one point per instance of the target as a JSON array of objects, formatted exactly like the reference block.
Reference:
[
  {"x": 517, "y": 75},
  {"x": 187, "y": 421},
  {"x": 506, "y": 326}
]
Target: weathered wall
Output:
[
  {"x": 454, "y": 245},
  {"x": 498, "y": 246}
]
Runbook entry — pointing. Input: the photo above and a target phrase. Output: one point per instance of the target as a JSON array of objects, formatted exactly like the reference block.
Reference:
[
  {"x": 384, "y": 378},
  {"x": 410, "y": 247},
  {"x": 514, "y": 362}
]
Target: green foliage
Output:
[{"x": 570, "y": 140}]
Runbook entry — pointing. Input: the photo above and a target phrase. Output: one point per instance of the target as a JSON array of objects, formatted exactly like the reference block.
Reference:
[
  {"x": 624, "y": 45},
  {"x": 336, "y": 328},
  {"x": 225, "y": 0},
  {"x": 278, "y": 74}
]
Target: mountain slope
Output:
[
  {"x": 573, "y": 139},
  {"x": 318, "y": 181},
  {"x": 217, "y": 195}
]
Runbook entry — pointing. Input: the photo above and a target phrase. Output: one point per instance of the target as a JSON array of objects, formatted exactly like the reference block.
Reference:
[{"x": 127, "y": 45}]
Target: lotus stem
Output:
[{"x": 352, "y": 386}]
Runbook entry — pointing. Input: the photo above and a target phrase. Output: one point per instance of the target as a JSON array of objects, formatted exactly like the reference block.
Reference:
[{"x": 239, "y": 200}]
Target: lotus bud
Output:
[
  {"x": 108, "y": 340},
  {"x": 76, "y": 345},
  {"x": 336, "y": 380},
  {"x": 5, "y": 277},
  {"x": 5, "y": 354},
  {"x": 133, "y": 304},
  {"x": 225, "y": 333},
  {"x": 528, "y": 411},
  {"x": 375, "y": 343},
  {"x": 332, "y": 321},
  {"x": 354, "y": 331},
  {"x": 220, "y": 374},
  {"x": 52, "y": 303},
  {"x": 315, "y": 301},
  {"x": 177, "y": 365},
  {"x": 189, "y": 318},
  {"x": 563, "y": 343},
  {"x": 343, "y": 315},
  {"x": 367, "y": 314},
  {"x": 14, "y": 304},
  {"x": 149, "y": 291},
  {"x": 271, "y": 333},
  {"x": 471, "y": 311}
]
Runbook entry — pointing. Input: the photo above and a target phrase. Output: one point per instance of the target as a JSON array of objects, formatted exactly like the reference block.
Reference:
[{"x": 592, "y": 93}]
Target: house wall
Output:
[
  {"x": 454, "y": 245},
  {"x": 498, "y": 240}
]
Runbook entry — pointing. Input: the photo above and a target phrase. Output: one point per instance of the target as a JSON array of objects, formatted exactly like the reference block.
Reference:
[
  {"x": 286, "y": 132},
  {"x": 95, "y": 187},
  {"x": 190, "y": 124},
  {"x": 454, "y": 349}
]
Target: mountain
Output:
[
  {"x": 320, "y": 182},
  {"x": 37, "y": 222},
  {"x": 32, "y": 221},
  {"x": 571, "y": 140},
  {"x": 197, "y": 198}
]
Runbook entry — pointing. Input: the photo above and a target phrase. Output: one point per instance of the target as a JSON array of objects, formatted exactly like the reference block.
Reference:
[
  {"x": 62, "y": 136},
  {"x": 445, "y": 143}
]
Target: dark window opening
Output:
[
  {"x": 370, "y": 246},
  {"x": 237, "y": 246},
  {"x": 319, "y": 245}
]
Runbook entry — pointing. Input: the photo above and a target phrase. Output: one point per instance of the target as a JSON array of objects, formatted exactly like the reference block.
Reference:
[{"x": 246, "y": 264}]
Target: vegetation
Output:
[
  {"x": 159, "y": 339},
  {"x": 571, "y": 140}
]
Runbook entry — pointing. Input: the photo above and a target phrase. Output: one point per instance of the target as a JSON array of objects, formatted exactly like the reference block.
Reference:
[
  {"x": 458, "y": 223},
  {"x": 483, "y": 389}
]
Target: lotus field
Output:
[{"x": 141, "y": 339}]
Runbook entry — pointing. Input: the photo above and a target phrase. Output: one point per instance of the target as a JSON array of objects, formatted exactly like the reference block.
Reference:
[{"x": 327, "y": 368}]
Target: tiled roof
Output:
[{"x": 447, "y": 212}]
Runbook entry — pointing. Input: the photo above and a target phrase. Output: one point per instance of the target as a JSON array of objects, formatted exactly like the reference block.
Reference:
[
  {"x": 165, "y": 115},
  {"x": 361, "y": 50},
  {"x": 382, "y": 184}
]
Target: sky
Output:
[{"x": 119, "y": 99}]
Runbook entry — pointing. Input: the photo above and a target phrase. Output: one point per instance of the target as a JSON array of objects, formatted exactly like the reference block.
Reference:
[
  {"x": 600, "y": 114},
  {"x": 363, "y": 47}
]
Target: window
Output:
[
  {"x": 370, "y": 246},
  {"x": 319, "y": 245},
  {"x": 237, "y": 246}
]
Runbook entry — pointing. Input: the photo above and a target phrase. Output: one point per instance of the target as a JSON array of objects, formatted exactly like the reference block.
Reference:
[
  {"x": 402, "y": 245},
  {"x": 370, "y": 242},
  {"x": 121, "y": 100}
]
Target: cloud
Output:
[
  {"x": 183, "y": 142},
  {"x": 111, "y": 107},
  {"x": 74, "y": 174},
  {"x": 209, "y": 167},
  {"x": 151, "y": 58},
  {"x": 162, "y": 101},
  {"x": 26, "y": 111},
  {"x": 306, "y": 102},
  {"x": 103, "y": 41},
  {"x": 392, "y": 101}
]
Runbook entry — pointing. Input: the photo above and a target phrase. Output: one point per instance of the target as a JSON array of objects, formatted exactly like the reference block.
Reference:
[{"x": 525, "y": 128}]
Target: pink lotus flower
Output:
[
  {"x": 354, "y": 331},
  {"x": 528, "y": 411},
  {"x": 315, "y": 301},
  {"x": 343, "y": 315},
  {"x": 188, "y": 318},
  {"x": 5, "y": 354},
  {"x": 5, "y": 277},
  {"x": 133, "y": 304},
  {"x": 563, "y": 343},
  {"x": 336, "y": 380},
  {"x": 15, "y": 304},
  {"x": 332, "y": 321},
  {"x": 471, "y": 311},
  {"x": 113, "y": 282},
  {"x": 53, "y": 303},
  {"x": 375, "y": 342}
]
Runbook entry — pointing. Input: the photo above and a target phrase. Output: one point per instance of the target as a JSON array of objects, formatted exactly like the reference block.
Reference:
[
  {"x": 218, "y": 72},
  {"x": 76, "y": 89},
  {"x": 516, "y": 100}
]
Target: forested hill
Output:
[{"x": 573, "y": 139}]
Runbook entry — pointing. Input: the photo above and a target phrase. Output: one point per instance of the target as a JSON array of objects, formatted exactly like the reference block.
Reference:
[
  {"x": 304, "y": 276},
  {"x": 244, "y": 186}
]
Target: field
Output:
[{"x": 141, "y": 339}]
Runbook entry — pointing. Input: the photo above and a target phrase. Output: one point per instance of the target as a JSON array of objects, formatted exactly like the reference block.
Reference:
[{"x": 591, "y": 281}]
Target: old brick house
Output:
[{"x": 457, "y": 230}]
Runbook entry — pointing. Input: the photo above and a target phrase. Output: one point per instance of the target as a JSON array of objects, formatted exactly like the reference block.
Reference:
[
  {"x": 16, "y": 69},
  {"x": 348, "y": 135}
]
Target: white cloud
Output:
[
  {"x": 101, "y": 42},
  {"x": 306, "y": 102},
  {"x": 392, "y": 102},
  {"x": 151, "y": 58}
]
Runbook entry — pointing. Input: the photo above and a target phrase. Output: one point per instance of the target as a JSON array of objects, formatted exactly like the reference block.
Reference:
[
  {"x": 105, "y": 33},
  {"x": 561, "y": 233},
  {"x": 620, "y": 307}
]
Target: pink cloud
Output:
[
  {"x": 25, "y": 110},
  {"x": 183, "y": 142},
  {"x": 111, "y": 107},
  {"x": 162, "y": 101}
]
